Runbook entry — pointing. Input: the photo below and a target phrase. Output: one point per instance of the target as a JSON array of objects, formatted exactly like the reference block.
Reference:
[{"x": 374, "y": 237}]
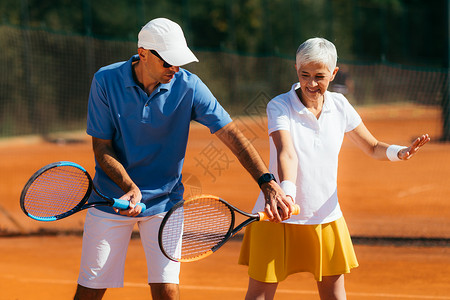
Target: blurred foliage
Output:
[
  {"x": 400, "y": 31},
  {"x": 395, "y": 50}
]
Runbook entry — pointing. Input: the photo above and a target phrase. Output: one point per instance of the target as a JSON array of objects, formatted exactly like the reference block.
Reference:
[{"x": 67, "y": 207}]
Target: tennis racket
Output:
[
  {"x": 61, "y": 189},
  {"x": 197, "y": 227}
]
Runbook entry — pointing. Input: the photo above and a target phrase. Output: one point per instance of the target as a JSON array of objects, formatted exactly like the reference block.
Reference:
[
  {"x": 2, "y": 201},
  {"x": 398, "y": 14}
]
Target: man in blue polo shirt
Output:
[{"x": 138, "y": 116}]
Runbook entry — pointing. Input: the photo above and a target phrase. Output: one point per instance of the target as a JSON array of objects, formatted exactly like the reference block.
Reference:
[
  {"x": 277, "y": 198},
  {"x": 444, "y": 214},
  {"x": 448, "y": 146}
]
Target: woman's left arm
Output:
[{"x": 362, "y": 137}]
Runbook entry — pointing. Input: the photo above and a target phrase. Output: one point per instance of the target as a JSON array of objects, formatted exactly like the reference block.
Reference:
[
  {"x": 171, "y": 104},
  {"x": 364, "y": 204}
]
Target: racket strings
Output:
[
  {"x": 56, "y": 191},
  {"x": 195, "y": 228}
]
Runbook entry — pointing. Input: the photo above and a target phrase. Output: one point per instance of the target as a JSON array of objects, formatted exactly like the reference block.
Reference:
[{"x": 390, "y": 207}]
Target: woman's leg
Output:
[
  {"x": 332, "y": 288},
  {"x": 258, "y": 290}
]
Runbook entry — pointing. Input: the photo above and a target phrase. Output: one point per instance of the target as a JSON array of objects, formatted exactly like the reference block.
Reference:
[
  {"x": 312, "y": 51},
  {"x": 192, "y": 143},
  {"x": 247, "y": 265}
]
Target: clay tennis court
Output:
[{"x": 398, "y": 214}]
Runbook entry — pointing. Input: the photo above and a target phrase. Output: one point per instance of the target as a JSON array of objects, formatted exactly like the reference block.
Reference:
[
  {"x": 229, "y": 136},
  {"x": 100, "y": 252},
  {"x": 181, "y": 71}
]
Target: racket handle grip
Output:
[
  {"x": 142, "y": 205},
  {"x": 263, "y": 216},
  {"x": 125, "y": 204}
]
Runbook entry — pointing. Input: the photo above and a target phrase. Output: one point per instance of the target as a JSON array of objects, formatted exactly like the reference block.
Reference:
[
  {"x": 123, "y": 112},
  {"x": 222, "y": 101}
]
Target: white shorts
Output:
[{"x": 105, "y": 243}]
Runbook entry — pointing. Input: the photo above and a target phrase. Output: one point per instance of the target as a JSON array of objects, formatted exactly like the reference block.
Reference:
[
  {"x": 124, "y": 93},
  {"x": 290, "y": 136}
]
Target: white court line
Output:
[
  {"x": 415, "y": 190},
  {"x": 243, "y": 290}
]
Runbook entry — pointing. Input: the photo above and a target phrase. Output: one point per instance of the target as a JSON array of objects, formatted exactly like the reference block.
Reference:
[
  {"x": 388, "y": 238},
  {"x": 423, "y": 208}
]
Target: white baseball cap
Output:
[{"x": 166, "y": 37}]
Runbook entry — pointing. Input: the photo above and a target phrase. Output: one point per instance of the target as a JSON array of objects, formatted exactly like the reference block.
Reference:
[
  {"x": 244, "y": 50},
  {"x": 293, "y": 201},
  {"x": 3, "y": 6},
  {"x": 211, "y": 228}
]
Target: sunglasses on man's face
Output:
[{"x": 165, "y": 64}]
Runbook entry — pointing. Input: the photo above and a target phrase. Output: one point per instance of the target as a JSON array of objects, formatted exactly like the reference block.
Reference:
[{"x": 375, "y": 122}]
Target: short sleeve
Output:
[
  {"x": 353, "y": 118},
  {"x": 277, "y": 115},
  {"x": 99, "y": 121},
  {"x": 207, "y": 110}
]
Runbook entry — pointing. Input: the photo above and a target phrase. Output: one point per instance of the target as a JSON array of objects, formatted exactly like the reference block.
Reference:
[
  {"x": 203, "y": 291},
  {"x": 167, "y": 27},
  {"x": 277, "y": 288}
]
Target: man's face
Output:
[{"x": 155, "y": 69}]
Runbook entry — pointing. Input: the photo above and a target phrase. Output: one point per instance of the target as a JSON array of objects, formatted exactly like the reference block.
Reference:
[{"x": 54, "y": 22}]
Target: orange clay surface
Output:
[{"x": 379, "y": 199}]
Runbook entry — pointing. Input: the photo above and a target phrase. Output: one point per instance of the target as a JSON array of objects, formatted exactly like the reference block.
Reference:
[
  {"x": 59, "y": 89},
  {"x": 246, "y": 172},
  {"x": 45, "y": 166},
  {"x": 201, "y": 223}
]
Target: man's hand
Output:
[
  {"x": 279, "y": 207},
  {"x": 134, "y": 196}
]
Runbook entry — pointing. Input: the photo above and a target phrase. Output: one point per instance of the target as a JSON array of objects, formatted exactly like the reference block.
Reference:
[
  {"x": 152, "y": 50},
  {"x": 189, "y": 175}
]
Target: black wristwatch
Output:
[{"x": 266, "y": 177}]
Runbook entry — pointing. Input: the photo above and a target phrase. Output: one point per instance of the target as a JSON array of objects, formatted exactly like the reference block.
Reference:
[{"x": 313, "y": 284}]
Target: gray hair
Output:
[{"x": 317, "y": 50}]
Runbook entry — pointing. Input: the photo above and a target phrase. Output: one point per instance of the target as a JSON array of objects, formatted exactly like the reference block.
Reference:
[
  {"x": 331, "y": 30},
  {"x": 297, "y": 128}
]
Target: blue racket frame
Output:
[{"x": 109, "y": 201}]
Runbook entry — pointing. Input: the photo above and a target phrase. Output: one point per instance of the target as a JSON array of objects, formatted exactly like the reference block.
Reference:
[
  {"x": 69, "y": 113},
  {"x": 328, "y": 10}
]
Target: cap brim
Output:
[{"x": 178, "y": 57}]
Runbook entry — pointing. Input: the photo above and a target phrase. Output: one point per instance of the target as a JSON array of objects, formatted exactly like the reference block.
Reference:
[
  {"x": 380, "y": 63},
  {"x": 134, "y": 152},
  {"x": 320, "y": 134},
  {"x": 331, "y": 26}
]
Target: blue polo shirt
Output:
[{"x": 149, "y": 132}]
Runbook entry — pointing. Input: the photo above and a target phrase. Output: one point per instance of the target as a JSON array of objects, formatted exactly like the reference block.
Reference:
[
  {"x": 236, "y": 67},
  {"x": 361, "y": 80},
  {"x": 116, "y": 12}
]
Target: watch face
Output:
[{"x": 267, "y": 177}]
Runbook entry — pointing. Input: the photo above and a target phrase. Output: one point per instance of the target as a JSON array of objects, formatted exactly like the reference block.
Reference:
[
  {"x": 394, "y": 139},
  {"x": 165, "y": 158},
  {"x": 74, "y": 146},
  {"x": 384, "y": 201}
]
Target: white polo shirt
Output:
[{"x": 317, "y": 143}]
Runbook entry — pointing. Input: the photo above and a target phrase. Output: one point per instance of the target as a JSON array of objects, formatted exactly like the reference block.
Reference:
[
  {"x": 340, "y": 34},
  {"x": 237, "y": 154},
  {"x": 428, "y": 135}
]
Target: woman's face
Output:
[{"x": 314, "y": 79}]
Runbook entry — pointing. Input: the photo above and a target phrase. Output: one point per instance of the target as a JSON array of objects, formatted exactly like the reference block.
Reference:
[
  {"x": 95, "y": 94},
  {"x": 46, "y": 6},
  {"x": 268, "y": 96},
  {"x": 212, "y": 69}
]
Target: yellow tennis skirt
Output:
[{"x": 275, "y": 250}]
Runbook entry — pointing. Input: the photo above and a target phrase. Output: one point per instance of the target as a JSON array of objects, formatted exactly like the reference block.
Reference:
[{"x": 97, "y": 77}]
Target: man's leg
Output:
[
  {"x": 165, "y": 291},
  {"x": 105, "y": 243},
  {"x": 258, "y": 290},
  {"x": 163, "y": 274},
  {"x": 84, "y": 293},
  {"x": 332, "y": 288}
]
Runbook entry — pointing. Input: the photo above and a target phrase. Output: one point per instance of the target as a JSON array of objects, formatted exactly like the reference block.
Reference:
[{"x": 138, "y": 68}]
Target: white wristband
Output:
[
  {"x": 289, "y": 188},
  {"x": 392, "y": 152}
]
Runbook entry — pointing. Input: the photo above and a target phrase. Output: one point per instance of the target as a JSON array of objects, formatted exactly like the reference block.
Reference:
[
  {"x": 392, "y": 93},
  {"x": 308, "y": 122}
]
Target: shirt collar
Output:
[
  {"x": 128, "y": 75},
  {"x": 127, "y": 72},
  {"x": 328, "y": 104}
]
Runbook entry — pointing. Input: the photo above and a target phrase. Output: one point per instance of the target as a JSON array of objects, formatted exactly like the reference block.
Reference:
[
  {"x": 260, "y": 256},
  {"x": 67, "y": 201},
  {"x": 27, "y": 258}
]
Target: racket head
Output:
[
  {"x": 56, "y": 191},
  {"x": 195, "y": 228}
]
